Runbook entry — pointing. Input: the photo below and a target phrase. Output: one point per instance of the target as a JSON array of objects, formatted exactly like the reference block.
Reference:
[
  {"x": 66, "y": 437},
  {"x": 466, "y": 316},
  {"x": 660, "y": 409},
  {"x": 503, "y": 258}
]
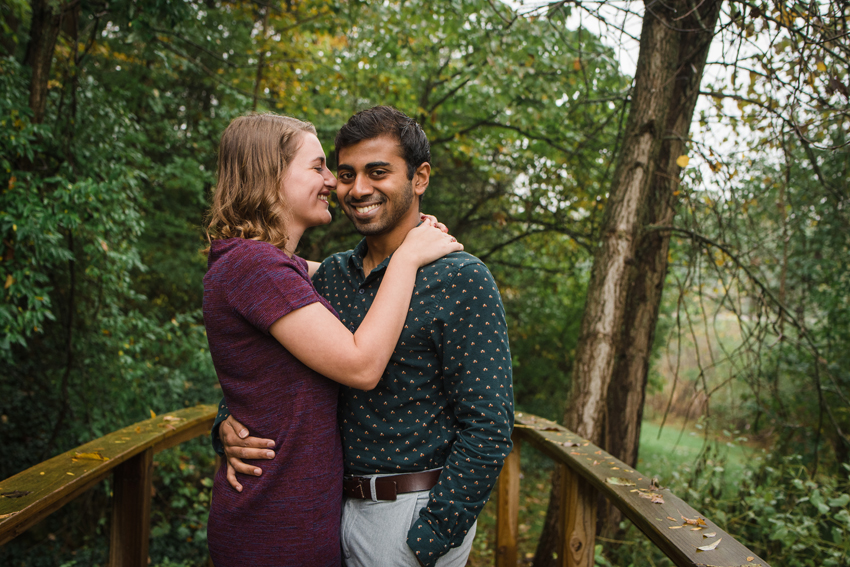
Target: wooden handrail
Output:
[
  {"x": 31, "y": 495},
  {"x": 585, "y": 470}
]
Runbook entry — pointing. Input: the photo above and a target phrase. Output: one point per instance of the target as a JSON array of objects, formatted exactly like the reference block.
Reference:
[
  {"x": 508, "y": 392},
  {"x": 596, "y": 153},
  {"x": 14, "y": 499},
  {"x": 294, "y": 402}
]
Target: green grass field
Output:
[{"x": 669, "y": 451}]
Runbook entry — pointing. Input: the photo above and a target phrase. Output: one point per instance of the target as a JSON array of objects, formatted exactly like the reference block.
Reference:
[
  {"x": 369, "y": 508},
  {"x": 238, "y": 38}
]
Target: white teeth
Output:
[
  {"x": 323, "y": 198},
  {"x": 362, "y": 210}
]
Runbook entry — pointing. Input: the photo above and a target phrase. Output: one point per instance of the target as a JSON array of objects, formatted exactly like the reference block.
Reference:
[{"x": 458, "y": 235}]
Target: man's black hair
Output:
[{"x": 387, "y": 121}]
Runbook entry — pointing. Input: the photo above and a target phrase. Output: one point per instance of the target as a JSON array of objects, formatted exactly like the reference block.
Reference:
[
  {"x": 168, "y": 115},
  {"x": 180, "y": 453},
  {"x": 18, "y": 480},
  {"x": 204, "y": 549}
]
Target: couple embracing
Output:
[{"x": 376, "y": 385}]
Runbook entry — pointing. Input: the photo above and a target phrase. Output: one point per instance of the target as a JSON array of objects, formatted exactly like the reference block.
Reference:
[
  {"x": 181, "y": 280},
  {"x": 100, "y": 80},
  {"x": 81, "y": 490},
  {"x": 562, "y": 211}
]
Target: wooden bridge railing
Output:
[
  {"x": 585, "y": 470},
  {"x": 127, "y": 454},
  {"x": 669, "y": 522}
]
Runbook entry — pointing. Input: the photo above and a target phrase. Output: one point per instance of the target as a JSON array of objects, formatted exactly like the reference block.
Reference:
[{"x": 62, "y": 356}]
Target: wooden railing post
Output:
[
  {"x": 507, "y": 512},
  {"x": 131, "y": 511},
  {"x": 578, "y": 520}
]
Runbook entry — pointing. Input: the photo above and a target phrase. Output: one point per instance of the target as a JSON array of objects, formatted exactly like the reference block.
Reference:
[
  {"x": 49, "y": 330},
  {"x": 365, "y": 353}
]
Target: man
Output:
[{"x": 424, "y": 448}]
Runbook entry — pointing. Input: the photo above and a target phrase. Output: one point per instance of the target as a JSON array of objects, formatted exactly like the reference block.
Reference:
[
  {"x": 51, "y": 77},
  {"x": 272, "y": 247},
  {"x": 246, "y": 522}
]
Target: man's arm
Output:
[
  {"x": 471, "y": 337},
  {"x": 230, "y": 440}
]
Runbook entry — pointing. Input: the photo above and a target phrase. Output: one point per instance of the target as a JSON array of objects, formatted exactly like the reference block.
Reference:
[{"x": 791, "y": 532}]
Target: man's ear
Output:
[{"x": 421, "y": 178}]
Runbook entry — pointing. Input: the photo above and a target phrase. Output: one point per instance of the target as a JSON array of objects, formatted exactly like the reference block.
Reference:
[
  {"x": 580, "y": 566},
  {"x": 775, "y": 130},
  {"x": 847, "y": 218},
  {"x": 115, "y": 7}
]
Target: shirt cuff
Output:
[
  {"x": 223, "y": 413},
  {"x": 426, "y": 544}
]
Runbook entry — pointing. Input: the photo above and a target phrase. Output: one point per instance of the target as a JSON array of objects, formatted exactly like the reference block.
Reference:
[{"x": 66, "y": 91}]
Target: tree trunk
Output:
[
  {"x": 627, "y": 389},
  {"x": 621, "y": 311},
  {"x": 44, "y": 30}
]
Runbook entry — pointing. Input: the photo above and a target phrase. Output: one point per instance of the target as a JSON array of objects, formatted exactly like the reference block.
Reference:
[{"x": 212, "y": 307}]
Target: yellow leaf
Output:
[
  {"x": 9, "y": 281},
  {"x": 104, "y": 246},
  {"x": 95, "y": 456},
  {"x": 682, "y": 161},
  {"x": 821, "y": 67},
  {"x": 577, "y": 64},
  {"x": 153, "y": 414}
]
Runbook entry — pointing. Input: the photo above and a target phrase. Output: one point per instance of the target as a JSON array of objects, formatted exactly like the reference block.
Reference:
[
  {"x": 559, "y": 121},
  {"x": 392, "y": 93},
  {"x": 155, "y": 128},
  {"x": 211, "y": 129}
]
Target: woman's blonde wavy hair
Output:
[{"x": 253, "y": 155}]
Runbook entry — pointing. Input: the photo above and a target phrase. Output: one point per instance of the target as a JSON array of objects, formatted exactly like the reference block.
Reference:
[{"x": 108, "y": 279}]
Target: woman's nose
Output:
[{"x": 330, "y": 179}]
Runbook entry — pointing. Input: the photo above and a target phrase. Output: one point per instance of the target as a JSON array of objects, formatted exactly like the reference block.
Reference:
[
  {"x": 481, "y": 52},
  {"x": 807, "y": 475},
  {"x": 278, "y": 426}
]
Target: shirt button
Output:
[
  {"x": 362, "y": 291},
  {"x": 351, "y": 328}
]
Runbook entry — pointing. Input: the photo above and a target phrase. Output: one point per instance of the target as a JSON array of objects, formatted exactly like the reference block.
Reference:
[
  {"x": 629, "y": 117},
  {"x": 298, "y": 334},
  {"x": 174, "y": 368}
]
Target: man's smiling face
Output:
[{"x": 373, "y": 188}]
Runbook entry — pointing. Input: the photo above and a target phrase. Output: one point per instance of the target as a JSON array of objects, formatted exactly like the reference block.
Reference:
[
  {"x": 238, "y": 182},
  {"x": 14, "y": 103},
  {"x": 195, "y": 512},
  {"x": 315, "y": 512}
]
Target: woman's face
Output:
[{"x": 307, "y": 185}]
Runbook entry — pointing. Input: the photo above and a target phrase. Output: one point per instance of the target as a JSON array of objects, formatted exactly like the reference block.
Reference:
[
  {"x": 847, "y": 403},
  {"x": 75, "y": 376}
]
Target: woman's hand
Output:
[
  {"x": 434, "y": 220},
  {"x": 427, "y": 243}
]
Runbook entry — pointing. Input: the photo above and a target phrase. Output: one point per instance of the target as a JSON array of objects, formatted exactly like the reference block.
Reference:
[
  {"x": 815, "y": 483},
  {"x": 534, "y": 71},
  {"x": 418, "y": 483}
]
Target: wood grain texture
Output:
[
  {"x": 676, "y": 539},
  {"x": 53, "y": 483},
  {"x": 507, "y": 510},
  {"x": 131, "y": 511},
  {"x": 578, "y": 520}
]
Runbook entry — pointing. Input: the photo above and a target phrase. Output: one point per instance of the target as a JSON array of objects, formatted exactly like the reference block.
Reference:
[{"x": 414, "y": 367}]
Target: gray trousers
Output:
[{"x": 374, "y": 534}]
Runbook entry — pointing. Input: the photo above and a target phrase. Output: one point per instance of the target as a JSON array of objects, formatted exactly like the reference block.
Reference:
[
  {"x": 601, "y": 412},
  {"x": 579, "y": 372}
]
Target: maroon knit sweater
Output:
[{"x": 289, "y": 515}]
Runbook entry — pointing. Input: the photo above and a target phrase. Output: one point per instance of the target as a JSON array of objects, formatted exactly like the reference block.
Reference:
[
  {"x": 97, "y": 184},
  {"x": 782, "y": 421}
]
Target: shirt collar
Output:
[{"x": 356, "y": 262}]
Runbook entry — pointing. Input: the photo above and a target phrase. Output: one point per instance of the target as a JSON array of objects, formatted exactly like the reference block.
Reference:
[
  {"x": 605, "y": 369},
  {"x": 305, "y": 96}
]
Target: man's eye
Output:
[{"x": 379, "y": 171}]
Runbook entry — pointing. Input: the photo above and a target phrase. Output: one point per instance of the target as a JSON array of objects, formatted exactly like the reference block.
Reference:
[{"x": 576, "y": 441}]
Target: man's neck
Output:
[{"x": 381, "y": 246}]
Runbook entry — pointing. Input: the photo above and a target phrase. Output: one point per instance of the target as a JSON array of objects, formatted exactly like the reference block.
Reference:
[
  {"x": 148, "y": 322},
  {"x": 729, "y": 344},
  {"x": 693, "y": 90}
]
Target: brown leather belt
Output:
[{"x": 387, "y": 487}]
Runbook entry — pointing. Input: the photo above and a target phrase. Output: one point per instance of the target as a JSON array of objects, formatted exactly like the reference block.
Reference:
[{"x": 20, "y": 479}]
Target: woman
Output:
[{"x": 279, "y": 349}]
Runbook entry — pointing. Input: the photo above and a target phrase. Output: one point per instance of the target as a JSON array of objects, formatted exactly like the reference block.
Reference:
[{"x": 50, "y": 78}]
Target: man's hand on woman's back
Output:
[{"x": 238, "y": 446}]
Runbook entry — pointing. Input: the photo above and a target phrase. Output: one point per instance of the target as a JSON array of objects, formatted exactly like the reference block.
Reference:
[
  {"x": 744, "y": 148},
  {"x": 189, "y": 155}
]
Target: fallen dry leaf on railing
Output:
[
  {"x": 711, "y": 546},
  {"x": 619, "y": 481},
  {"x": 696, "y": 522},
  {"x": 15, "y": 493},
  {"x": 95, "y": 456}
]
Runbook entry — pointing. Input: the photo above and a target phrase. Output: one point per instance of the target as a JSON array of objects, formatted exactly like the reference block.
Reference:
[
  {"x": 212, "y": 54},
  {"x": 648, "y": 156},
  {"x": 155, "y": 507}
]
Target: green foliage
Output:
[
  {"x": 180, "y": 505},
  {"x": 807, "y": 522},
  {"x": 102, "y": 204}
]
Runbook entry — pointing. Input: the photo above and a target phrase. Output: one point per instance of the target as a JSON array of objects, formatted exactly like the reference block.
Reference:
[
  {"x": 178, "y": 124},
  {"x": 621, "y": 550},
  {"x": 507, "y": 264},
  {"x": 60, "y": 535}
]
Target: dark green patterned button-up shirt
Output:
[{"x": 446, "y": 398}]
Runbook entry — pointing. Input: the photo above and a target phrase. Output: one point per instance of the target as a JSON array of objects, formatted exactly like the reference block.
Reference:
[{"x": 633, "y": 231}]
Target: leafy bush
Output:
[{"x": 776, "y": 509}]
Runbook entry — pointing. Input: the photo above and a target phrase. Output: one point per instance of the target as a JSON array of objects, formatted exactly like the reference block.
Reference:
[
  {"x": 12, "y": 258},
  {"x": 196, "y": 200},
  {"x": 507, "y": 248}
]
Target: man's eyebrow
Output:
[
  {"x": 344, "y": 166},
  {"x": 372, "y": 164}
]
